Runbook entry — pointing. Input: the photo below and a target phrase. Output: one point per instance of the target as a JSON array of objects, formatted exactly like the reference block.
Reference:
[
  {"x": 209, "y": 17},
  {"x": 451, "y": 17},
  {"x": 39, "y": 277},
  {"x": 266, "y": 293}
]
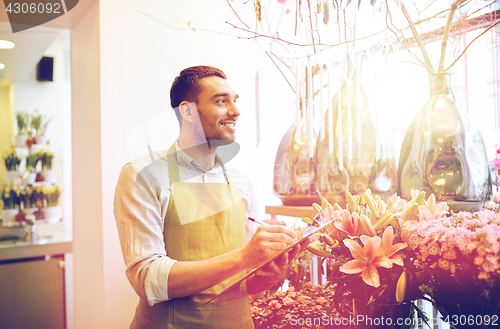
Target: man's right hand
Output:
[{"x": 267, "y": 241}]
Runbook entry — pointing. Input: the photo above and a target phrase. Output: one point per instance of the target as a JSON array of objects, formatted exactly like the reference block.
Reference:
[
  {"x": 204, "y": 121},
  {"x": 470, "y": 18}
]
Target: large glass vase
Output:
[
  {"x": 294, "y": 170},
  {"x": 443, "y": 153},
  {"x": 354, "y": 164}
]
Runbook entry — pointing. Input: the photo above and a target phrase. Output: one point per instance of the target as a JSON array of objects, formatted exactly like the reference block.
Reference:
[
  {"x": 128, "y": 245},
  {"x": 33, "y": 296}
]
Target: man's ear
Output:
[{"x": 188, "y": 111}]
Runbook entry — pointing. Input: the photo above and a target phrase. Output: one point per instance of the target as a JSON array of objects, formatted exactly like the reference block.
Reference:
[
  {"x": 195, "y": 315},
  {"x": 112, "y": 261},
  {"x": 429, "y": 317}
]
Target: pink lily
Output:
[
  {"x": 366, "y": 226},
  {"x": 431, "y": 210},
  {"x": 349, "y": 223},
  {"x": 329, "y": 214},
  {"x": 366, "y": 260},
  {"x": 389, "y": 249}
]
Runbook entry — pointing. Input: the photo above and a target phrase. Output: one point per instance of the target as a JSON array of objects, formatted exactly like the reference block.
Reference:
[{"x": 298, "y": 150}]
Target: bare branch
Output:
[
  {"x": 280, "y": 71},
  {"x": 470, "y": 43},
  {"x": 248, "y": 27},
  {"x": 428, "y": 63},
  {"x": 447, "y": 28}
]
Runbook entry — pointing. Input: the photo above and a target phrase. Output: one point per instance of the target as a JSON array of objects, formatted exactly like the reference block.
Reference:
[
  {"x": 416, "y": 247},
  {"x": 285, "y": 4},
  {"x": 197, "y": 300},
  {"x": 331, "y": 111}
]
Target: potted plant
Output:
[
  {"x": 31, "y": 162},
  {"x": 22, "y": 119},
  {"x": 52, "y": 212},
  {"x": 39, "y": 124},
  {"x": 47, "y": 173},
  {"x": 10, "y": 201},
  {"x": 12, "y": 162},
  {"x": 29, "y": 199}
]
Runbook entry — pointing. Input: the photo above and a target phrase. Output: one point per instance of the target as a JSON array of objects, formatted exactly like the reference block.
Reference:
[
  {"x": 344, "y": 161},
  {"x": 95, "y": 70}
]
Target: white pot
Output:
[
  {"x": 42, "y": 140},
  {"x": 11, "y": 176},
  {"x": 52, "y": 214},
  {"x": 21, "y": 140},
  {"x": 31, "y": 179},
  {"x": 49, "y": 176},
  {"x": 9, "y": 217},
  {"x": 30, "y": 211}
]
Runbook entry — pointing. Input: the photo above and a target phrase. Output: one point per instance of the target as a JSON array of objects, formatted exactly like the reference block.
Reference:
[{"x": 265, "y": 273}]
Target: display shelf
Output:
[{"x": 290, "y": 211}]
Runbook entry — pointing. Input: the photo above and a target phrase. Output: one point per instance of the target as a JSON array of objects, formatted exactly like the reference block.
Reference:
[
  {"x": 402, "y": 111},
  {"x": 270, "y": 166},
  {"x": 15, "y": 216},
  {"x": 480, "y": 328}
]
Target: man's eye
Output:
[{"x": 221, "y": 101}]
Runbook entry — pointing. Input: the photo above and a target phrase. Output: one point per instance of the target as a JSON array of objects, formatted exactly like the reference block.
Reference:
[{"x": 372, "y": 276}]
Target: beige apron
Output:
[{"x": 190, "y": 235}]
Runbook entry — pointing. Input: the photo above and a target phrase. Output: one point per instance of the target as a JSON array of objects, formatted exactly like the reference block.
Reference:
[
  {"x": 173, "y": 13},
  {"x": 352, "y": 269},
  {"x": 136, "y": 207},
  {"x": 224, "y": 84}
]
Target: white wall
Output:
[{"x": 88, "y": 251}]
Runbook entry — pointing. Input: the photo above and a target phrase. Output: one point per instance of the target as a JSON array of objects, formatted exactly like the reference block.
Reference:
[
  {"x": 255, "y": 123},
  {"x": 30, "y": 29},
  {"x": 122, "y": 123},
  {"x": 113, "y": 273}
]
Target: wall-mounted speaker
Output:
[{"x": 45, "y": 69}]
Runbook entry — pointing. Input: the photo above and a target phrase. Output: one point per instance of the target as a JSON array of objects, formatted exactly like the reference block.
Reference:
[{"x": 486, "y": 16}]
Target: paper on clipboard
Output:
[{"x": 287, "y": 249}]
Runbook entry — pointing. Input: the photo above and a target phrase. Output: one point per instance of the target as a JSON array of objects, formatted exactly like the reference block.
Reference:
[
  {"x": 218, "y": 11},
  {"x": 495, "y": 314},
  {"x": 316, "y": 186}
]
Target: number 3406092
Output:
[{"x": 34, "y": 8}]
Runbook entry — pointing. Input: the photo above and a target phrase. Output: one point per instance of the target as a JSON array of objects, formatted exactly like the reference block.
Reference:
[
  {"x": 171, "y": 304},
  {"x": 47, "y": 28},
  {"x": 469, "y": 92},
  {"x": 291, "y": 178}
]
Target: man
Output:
[{"x": 182, "y": 218}]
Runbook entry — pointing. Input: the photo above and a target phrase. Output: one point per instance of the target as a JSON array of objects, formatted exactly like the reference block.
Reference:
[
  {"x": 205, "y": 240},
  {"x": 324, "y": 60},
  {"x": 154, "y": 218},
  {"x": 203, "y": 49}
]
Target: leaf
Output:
[
  {"x": 421, "y": 314},
  {"x": 307, "y": 220},
  {"x": 376, "y": 294}
]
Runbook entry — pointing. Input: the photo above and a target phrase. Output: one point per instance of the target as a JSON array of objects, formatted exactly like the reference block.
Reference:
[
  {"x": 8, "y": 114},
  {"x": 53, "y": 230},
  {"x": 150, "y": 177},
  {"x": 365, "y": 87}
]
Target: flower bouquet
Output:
[
  {"x": 369, "y": 263},
  {"x": 460, "y": 256}
]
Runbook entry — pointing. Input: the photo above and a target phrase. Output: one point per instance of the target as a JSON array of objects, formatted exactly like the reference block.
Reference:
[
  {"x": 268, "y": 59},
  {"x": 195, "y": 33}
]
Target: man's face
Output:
[{"x": 217, "y": 110}]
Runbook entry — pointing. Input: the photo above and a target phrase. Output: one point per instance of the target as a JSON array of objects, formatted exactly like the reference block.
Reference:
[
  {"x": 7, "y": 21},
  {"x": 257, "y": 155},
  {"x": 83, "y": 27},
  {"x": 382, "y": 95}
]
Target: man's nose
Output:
[{"x": 233, "y": 110}]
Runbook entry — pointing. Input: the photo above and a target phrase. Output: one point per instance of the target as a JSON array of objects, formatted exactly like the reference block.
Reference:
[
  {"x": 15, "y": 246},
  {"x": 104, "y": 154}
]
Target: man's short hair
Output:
[{"x": 186, "y": 86}]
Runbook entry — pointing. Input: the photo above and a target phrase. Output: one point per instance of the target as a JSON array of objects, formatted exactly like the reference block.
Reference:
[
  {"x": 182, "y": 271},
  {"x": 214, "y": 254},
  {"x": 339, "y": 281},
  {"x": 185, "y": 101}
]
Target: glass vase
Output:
[
  {"x": 294, "y": 171},
  {"x": 359, "y": 168},
  {"x": 444, "y": 153}
]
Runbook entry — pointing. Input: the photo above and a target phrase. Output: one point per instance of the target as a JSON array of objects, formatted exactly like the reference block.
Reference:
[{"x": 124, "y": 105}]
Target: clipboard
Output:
[{"x": 287, "y": 249}]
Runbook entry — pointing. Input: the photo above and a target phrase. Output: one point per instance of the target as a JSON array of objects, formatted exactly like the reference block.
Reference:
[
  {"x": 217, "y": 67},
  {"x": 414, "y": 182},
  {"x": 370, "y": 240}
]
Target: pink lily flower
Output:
[
  {"x": 389, "y": 249},
  {"x": 330, "y": 215},
  {"x": 431, "y": 210},
  {"x": 366, "y": 226},
  {"x": 366, "y": 260},
  {"x": 349, "y": 223}
]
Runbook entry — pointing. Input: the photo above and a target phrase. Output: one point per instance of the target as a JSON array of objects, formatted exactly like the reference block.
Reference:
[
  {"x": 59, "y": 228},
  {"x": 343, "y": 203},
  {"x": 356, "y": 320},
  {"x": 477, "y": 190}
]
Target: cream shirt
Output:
[{"x": 140, "y": 206}]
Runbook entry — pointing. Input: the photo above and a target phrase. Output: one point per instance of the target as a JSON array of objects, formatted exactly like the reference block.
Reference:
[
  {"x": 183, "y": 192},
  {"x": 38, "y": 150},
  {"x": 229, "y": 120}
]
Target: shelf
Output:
[{"x": 290, "y": 211}]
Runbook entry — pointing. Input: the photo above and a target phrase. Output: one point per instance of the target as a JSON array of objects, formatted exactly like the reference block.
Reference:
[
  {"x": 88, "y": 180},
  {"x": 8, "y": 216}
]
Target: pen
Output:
[{"x": 257, "y": 221}]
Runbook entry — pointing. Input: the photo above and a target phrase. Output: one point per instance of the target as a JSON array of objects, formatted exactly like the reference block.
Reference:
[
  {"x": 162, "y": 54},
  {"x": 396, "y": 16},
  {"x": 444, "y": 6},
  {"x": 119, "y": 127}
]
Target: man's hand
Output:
[
  {"x": 274, "y": 272},
  {"x": 267, "y": 241}
]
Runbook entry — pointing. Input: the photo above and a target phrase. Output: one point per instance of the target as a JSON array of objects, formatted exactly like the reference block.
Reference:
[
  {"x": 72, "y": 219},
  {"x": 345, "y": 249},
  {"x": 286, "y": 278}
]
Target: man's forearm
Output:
[{"x": 191, "y": 277}]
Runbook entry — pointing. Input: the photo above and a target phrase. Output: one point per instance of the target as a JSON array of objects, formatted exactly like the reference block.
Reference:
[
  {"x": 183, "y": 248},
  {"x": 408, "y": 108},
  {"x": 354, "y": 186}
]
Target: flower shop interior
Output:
[{"x": 384, "y": 113}]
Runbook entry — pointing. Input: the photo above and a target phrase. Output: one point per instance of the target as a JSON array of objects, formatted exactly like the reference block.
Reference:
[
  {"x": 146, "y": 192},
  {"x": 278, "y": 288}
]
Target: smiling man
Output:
[{"x": 182, "y": 219}]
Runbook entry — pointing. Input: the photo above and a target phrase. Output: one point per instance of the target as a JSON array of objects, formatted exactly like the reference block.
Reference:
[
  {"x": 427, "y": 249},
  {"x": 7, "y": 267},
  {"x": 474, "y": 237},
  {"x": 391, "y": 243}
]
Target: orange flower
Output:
[
  {"x": 321, "y": 300},
  {"x": 330, "y": 215},
  {"x": 366, "y": 260},
  {"x": 255, "y": 310},
  {"x": 389, "y": 249},
  {"x": 288, "y": 301},
  {"x": 366, "y": 226},
  {"x": 349, "y": 223}
]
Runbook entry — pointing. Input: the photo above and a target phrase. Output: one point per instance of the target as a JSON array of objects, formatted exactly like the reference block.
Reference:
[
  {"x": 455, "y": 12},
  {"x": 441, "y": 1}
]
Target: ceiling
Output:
[{"x": 32, "y": 43}]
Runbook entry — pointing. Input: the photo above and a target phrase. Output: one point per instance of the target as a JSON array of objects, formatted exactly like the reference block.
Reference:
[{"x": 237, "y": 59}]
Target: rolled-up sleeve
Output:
[{"x": 139, "y": 211}]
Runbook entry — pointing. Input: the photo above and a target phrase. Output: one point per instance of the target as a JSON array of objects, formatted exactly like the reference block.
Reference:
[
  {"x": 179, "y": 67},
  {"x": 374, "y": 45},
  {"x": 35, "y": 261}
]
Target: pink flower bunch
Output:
[{"x": 459, "y": 242}]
